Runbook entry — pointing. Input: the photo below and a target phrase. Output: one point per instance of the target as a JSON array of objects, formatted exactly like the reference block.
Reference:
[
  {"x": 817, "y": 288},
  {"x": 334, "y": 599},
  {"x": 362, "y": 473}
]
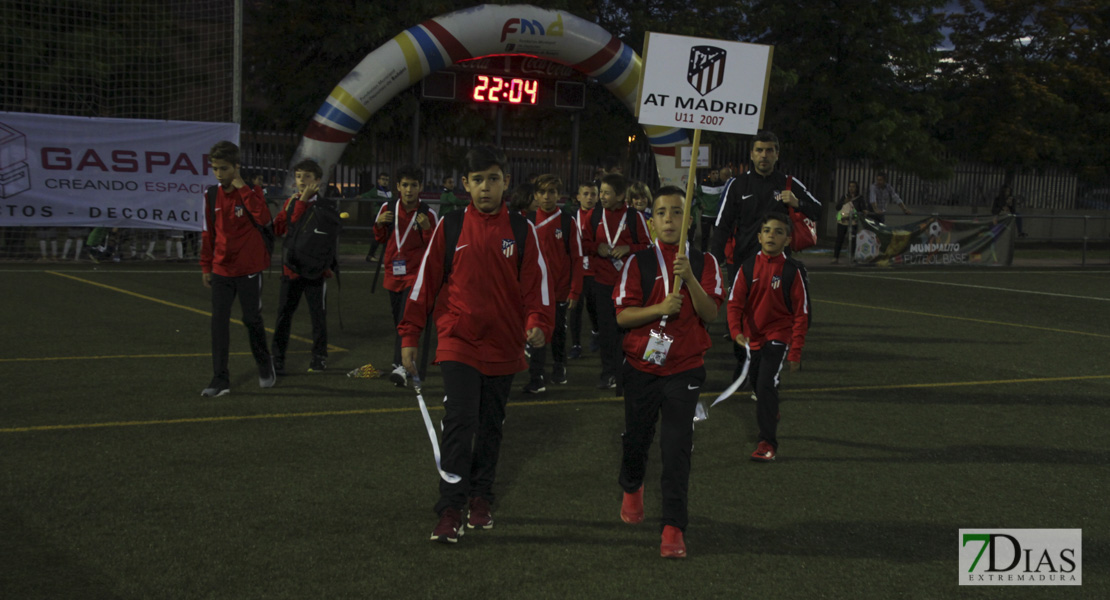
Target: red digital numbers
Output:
[{"x": 512, "y": 90}]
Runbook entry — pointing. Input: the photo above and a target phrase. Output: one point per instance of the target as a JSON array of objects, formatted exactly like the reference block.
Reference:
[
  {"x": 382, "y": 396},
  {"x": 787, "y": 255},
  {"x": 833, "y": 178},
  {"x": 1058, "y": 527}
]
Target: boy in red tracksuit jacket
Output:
[
  {"x": 759, "y": 318},
  {"x": 587, "y": 200},
  {"x": 405, "y": 227},
  {"x": 496, "y": 299},
  {"x": 232, "y": 257},
  {"x": 561, "y": 245},
  {"x": 664, "y": 367},
  {"x": 608, "y": 242},
  {"x": 307, "y": 175}
]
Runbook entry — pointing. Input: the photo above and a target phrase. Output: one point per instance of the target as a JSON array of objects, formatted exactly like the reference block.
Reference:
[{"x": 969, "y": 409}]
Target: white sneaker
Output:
[{"x": 399, "y": 376}]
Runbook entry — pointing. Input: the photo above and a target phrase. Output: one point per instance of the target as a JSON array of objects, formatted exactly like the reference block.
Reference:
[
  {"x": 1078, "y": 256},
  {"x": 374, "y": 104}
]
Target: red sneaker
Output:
[
  {"x": 632, "y": 507},
  {"x": 764, "y": 452},
  {"x": 480, "y": 515},
  {"x": 673, "y": 545},
  {"x": 449, "y": 529}
]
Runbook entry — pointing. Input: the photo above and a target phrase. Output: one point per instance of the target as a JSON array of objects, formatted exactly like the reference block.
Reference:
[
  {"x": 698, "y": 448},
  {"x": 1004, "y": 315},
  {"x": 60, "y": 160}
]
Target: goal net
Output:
[{"x": 139, "y": 59}]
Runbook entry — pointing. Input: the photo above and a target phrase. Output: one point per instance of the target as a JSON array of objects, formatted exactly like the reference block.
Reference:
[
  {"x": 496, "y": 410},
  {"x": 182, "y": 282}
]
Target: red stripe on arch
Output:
[
  {"x": 323, "y": 133},
  {"x": 450, "y": 43},
  {"x": 603, "y": 56}
]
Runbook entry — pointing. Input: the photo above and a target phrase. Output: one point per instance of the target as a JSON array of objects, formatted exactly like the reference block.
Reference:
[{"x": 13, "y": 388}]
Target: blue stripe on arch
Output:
[
  {"x": 332, "y": 113},
  {"x": 679, "y": 135},
  {"x": 612, "y": 73},
  {"x": 431, "y": 51}
]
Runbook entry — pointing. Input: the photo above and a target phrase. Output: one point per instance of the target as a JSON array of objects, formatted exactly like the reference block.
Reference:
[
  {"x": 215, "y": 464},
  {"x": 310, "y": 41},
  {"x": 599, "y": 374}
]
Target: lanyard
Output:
[
  {"x": 605, "y": 225},
  {"x": 548, "y": 220},
  {"x": 666, "y": 279},
  {"x": 397, "y": 223}
]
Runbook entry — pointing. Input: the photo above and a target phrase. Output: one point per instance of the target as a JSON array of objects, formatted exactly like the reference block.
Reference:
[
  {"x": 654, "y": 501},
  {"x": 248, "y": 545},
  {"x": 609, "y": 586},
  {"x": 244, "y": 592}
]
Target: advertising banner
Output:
[
  {"x": 937, "y": 241},
  {"x": 59, "y": 171}
]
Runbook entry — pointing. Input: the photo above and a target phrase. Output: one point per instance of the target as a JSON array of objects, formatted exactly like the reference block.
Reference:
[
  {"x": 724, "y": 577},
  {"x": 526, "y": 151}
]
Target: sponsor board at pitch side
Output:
[{"x": 699, "y": 83}]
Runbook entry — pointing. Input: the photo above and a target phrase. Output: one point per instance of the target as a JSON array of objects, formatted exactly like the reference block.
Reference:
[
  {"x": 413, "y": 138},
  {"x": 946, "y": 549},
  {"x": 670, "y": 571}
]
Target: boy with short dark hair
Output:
[
  {"x": 307, "y": 175},
  {"x": 561, "y": 245},
  {"x": 616, "y": 231},
  {"x": 496, "y": 299},
  {"x": 232, "y": 257},
  {"x": 587, "y": 200},
  {"x": 759, "y": 317},
  {"x": 664, "y": 367},
  {"x": 405, "y": 227}
]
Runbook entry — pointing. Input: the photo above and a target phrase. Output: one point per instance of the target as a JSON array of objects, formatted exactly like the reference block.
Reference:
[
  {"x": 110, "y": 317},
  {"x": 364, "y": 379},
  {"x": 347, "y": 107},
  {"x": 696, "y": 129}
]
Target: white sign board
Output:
[
  {"x": 700, "y": 83},
  {"x": 682, "y": 155},
  {"x": 60, "y": 171}
]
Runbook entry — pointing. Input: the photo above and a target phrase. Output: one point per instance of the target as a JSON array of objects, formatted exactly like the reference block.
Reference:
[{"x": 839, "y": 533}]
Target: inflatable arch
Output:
[{"x": 472, "y": 33}]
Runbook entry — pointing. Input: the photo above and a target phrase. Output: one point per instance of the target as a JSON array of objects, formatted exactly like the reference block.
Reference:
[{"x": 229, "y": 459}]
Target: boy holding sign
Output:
[{"x": 664, "y": 362}]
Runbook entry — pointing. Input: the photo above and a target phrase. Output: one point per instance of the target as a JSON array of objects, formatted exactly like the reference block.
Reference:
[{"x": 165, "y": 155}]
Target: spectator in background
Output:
[
  {"x": 448, "y": 197},
  {"x": 846, "y": 207},
  {"x": 707, "y": 200},
  {"x": 1007, "y": 202},
  {"x": 382, "y": 194},
  {"x": 882, "y": 194}
]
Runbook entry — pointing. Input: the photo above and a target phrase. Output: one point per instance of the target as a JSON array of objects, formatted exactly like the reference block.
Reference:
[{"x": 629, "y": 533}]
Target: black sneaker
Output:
[
  {"x": 607, "y": 383},
  {"x": 535, "y": 387},
  {"x": 279, "y": 366},
  {"x": 575, "y": 352},
  {"x": 318, "y": 364},
  {"x": 559, "y": 374},
  {"x": 215, "y": 389}
]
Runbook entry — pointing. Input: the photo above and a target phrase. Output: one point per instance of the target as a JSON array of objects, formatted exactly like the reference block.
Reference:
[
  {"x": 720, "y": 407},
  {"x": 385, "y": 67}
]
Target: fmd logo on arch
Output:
[{"x": 1021, "y": 556}]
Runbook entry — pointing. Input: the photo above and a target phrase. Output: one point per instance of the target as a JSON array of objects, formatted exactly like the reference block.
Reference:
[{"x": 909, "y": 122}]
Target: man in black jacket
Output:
[{"x": 754, "y": 194}]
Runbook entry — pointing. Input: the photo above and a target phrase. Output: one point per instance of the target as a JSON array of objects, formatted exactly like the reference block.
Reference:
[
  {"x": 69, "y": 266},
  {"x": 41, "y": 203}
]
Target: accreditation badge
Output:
[
  {"x": 618, "y": 264},
  {"x": 659, "y": 344},
  {"x": 399, "y": 268}
]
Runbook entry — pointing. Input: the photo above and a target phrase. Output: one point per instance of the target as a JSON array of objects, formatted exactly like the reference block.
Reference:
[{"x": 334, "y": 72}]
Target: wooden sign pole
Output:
[{"x": 687, "y": 210}]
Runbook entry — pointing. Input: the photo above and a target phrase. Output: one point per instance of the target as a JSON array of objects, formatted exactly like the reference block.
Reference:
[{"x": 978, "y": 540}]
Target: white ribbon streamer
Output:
[
  {"x": 701, "y": 412},
  {"x": 448, "y": 477}
]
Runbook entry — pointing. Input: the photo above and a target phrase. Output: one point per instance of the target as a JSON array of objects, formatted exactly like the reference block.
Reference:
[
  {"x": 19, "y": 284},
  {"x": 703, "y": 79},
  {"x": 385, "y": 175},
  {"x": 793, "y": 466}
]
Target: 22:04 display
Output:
[{"x": 512, "y": 90}]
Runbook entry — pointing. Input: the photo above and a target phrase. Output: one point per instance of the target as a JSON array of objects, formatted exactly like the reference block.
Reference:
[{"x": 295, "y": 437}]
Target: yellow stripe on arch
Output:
[
  {"x": 412, "y": 57},
  {"x": 628, "y": 88},
  {"x": 341, "y": 96}
]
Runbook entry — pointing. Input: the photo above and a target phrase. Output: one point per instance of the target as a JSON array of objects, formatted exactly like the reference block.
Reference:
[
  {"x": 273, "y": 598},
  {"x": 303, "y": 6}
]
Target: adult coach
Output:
[
  {"x": 883, "y": 195},
  {"x": 755, "y": 193}
]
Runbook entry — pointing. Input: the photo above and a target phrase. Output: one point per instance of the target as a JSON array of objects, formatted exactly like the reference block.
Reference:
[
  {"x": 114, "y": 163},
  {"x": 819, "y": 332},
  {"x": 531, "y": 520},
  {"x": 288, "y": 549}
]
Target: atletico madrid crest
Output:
[
  {"x": 776, "y": 281},
  {"x": 559, "y": 233},
  {"x": 706, "y": 70},
  {"x": 238, "y": 210},
  {"x": 507, "y": 247}
]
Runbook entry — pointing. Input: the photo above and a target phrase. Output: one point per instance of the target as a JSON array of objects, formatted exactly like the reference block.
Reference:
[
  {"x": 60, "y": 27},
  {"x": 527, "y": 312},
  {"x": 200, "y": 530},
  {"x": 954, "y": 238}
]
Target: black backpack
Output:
[
  {"x": 452, "y": 228},
  {"x": 649, "y": 268},
  {"x": 266, "y": 231},
  {"x": 312, "y": 243},
  {"x": 790, "y": 269}
]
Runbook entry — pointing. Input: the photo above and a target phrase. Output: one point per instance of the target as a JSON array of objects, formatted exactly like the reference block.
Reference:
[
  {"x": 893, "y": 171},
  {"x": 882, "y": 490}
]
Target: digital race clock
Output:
[{"x": 511, "y": 90}]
